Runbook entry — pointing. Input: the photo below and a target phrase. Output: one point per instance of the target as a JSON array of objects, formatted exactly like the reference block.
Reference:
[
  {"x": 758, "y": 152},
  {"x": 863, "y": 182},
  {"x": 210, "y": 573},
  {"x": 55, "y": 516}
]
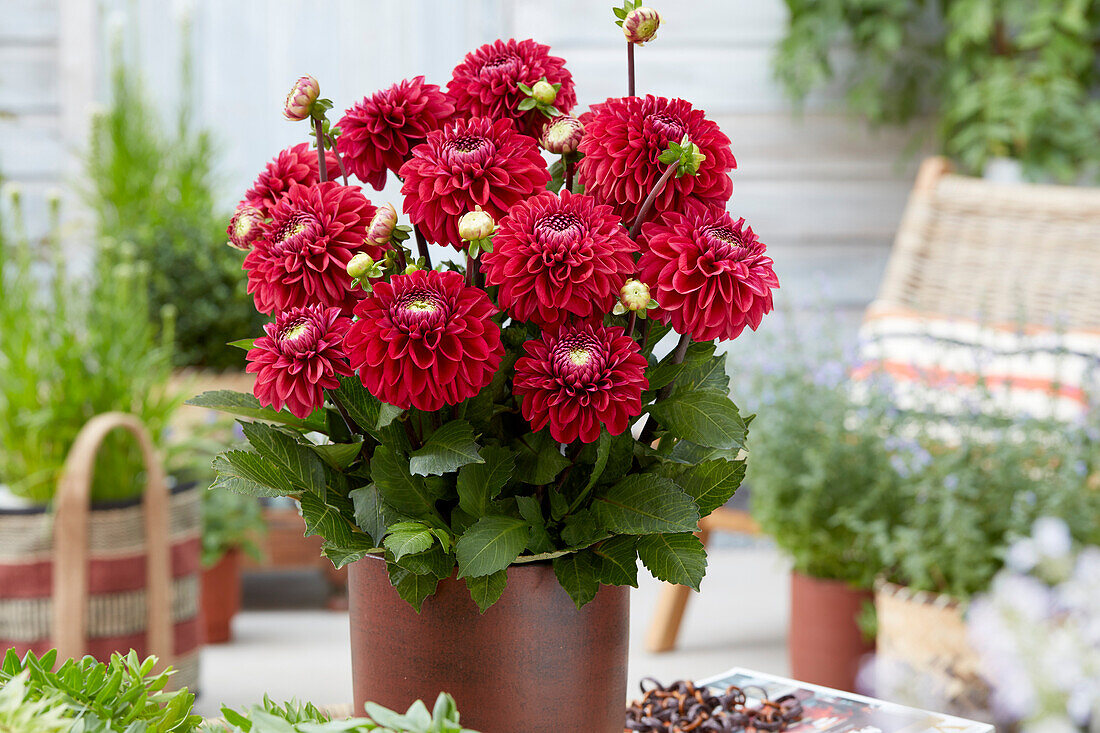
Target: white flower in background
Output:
[{"x": 1038, "y": 633}]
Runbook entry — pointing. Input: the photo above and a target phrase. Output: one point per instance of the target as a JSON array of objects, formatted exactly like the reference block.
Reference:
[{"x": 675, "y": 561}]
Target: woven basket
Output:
[
  {"x": 924, "y": 654},
  {"x": 100, "y": 579}
]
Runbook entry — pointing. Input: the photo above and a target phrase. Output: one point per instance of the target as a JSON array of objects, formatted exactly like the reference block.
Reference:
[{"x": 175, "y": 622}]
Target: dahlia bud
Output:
[
  {"x": 359, "y": 265},
  {"x": 475, "y": 225},
  {"x": 381, "y": 227},
  {"x": 562, "y": 135},
  {"x": 544, "y": 92},
  {"x": 686, "y": 155},
  {"x": 634, "y": 296},
  {"x": 641, "y": 24},
  {"x": 244, "y": 227},
  {"x": 299, "y": 103}
]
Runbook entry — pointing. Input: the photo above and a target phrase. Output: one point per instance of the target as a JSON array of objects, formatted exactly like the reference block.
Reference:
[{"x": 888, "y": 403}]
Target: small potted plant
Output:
[
  {"x": 231, "y": 525},
  {"x": 821, "y": 484},
  {"x": 493, "y": 443},
  {"x": 84, "y": 408}
]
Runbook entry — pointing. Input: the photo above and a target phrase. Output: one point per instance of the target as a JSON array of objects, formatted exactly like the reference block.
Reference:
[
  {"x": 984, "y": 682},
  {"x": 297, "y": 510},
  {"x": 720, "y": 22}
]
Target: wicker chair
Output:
[{"x": 965, "y": 247}]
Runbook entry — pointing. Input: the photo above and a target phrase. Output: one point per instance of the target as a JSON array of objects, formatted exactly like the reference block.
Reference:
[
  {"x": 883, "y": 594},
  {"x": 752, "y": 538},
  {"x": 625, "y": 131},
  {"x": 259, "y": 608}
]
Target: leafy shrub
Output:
[
  {"x": 1004, "y": 78},
  {"x": 155, "y": 188},
  {"x": 123, "y": 695},
  {"x": 71, "y": 349}
]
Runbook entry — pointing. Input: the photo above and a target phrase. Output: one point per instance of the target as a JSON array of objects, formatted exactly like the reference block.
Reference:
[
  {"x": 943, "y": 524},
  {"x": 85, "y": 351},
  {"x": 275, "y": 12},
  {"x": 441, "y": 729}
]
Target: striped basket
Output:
[{"x": 88, "y": 581}]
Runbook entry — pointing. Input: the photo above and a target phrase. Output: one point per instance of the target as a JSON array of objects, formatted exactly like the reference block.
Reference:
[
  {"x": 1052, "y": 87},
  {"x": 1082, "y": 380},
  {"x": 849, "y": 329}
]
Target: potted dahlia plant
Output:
[{"x": 492, "y": 443}]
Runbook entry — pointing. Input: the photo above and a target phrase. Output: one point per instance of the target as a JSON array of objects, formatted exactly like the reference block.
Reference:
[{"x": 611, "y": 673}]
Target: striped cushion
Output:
[{"x": 944, "y": 367}]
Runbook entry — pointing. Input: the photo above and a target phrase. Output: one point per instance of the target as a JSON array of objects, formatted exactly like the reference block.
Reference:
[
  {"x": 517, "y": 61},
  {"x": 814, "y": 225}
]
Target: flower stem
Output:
[
  {"x": 645, "y": 333},
  {"x": 339, "y": 160},
  {"x": 471, "y": 271},
  {"x": 322, "y": 169},
  {"x": 630, "y": 69},
  {"x": 422, "y": 246},
  {"x": 353, "y": 428},
  {"x": 630, "y": 323},
  {"x": 568, "y": 165},
  {"x": 648, "y": 203}
]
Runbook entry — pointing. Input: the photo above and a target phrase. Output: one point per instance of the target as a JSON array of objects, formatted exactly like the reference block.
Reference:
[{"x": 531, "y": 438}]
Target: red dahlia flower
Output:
[
  {"x": 469, "y": 163},
  {"x": 486, "y": 83},
  {"x": 377, "y": 134},
  {"x": 425, "y": 340},
  {"x": 554, "y": 256},
  {"x": 622, "y": 141},
  {"x": 580, "y": 379},
  {"x": 294, "y": 165},
  {"x": 710, "y": 274},
  {"x": 300, "y": 357},
  {"x": 300, "y": 257}
]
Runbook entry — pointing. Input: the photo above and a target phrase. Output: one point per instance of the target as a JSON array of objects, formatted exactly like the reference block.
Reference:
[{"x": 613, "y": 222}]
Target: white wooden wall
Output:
[{"x": 824, "y": 193}]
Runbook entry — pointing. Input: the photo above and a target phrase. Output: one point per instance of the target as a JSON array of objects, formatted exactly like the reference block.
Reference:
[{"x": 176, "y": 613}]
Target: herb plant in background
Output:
[
  {"x": 294, "y": 717},
  {"x": 71, "y": 349},
  {"x": 507, "y": 406},
  {"x": 230, "y": 521},
  {"x": 152, "y": 185},
  {"x": 1002, "y": 78}
]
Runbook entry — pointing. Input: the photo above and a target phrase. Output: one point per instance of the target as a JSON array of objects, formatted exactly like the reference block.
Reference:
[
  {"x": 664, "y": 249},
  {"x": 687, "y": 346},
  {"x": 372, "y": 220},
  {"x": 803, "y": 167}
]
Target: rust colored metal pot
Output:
[
  {"x": 826, "y": 645},
  {"x": 221, "y": 597},
  {"x": 531, "y": 663}
]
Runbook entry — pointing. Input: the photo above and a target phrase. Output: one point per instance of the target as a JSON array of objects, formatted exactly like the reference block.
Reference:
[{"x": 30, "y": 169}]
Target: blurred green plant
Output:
[
  {"x": 1003, "y": 78},
  {"x": 70, "y": 349},
  {"x": 230, "y": 521},
  {"x": 295, "y": 717},
  {"x": 154, "y": 187},
  {"x": 122, "y": 695},
  {"x": 820, "y": 478}
]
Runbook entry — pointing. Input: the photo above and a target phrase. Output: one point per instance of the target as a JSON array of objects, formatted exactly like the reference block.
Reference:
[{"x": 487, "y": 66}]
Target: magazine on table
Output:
[{"x": 832, "y": 711}]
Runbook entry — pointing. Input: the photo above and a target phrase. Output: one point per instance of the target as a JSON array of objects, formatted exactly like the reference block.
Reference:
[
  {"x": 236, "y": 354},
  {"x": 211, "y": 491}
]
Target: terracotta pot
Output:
[
  {"x": 531, "y": 663},
  {"x": 221, "y": 597},
  {"x": 826, "y": 645}
]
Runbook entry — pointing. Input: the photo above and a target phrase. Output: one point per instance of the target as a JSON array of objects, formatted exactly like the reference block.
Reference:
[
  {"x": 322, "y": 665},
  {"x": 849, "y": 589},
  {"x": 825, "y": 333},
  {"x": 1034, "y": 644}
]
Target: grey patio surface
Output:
[{"x": 285, "y": 648}]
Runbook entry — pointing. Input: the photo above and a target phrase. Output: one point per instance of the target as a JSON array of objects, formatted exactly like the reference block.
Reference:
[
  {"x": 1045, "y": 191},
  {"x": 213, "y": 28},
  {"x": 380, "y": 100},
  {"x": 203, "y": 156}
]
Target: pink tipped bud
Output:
[
  {"x": 544, "y": 92},
  {"x": 641, "y": 24},
  {"x": 634, "y": 295},
  {"x": 562, "y": 135},
  {"x": 475, "y": 225},
  {"x": 382, "y": 225},
  {"x": 299, "y": 103},
  {"x": 244, "y": 227}
]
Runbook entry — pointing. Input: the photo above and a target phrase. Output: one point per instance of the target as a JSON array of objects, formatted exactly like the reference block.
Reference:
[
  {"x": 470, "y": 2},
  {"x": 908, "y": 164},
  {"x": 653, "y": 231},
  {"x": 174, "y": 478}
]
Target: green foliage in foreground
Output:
[
  {"x": 295, "y": 717},
  {"x": 122, "y": 696}
]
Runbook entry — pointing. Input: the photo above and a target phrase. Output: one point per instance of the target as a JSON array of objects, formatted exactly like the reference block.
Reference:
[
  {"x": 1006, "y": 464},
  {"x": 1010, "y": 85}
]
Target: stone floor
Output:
[{"x": 287, "y": 646}]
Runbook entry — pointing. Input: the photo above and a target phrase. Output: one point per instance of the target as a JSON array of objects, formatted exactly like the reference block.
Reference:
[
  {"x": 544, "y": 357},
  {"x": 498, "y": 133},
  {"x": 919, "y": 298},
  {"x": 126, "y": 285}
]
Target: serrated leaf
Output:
[
  {"x": 645, "y": 504},
  {"x": 603, "y": 451},
  {"x": 557, "y": 176},
  {"x": 368, "y": 411},
  {"x": 705, "y": 417},
  {"x": 712, "y": 483},
  {"x": 487, "y": 589},
  {"x": 338, "y": 455},
  {"x": 342, "y": 555},
  {"x": 301, "y": 466},
  {"x": 531, "y": 512},
  {"x": 709, "y": 374},
  {"x": 577, "y": 576},
  {"x": 329, "y": 518},
  {"x": 245, "y": 405},
  {"x": 687, "y": 452},
  {"x": 434, "y": 562},
  {"x": 449, "y": 448},
  {"x": 620, "y": 460},
  {"x": 479, "y": 483},
  {"x": 411, "y": 587},
  {"x": 582, "y": 529},
  {"x": 674, "y": 558},
  {"x": 248, "y": 473},
  {"x": 616, "y": 560},
  {"x": 404, "y": 492},
  {"x": 539, "y": 459},
  {"x": 408, "y": 538},
  {"x": 492, "y": 544}
]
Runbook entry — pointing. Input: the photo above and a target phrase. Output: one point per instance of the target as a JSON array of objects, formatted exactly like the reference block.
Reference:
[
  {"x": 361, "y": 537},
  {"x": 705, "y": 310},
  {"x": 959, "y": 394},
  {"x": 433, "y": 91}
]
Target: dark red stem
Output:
[
  {"x": 321, "y": 167},
  {"x": 630, "y": 69},
  {"x": 648, "y": 203}
]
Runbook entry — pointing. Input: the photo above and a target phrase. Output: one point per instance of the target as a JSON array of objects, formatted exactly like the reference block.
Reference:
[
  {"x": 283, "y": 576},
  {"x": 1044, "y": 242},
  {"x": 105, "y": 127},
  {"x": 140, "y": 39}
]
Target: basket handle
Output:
[{"x": 70, "y": 544}]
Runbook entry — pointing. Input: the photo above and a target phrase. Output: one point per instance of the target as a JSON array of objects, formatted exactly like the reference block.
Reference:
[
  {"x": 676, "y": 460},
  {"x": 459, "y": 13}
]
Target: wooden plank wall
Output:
[{"x": 824, "y": 193}]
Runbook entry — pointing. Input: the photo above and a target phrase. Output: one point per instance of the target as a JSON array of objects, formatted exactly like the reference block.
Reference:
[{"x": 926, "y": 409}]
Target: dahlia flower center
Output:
[
  {"x": 500, "y": 65},
  {"x": 296, "y": 334},
  {"x": 467, "y": 149},
  {"x": 577, "y": 360},
  {"x": 666, "y": 127},
  {"x": 419, "y": 312},
  {"x": 297, "y": 231},
  {"x": 558, "y": 231}
]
